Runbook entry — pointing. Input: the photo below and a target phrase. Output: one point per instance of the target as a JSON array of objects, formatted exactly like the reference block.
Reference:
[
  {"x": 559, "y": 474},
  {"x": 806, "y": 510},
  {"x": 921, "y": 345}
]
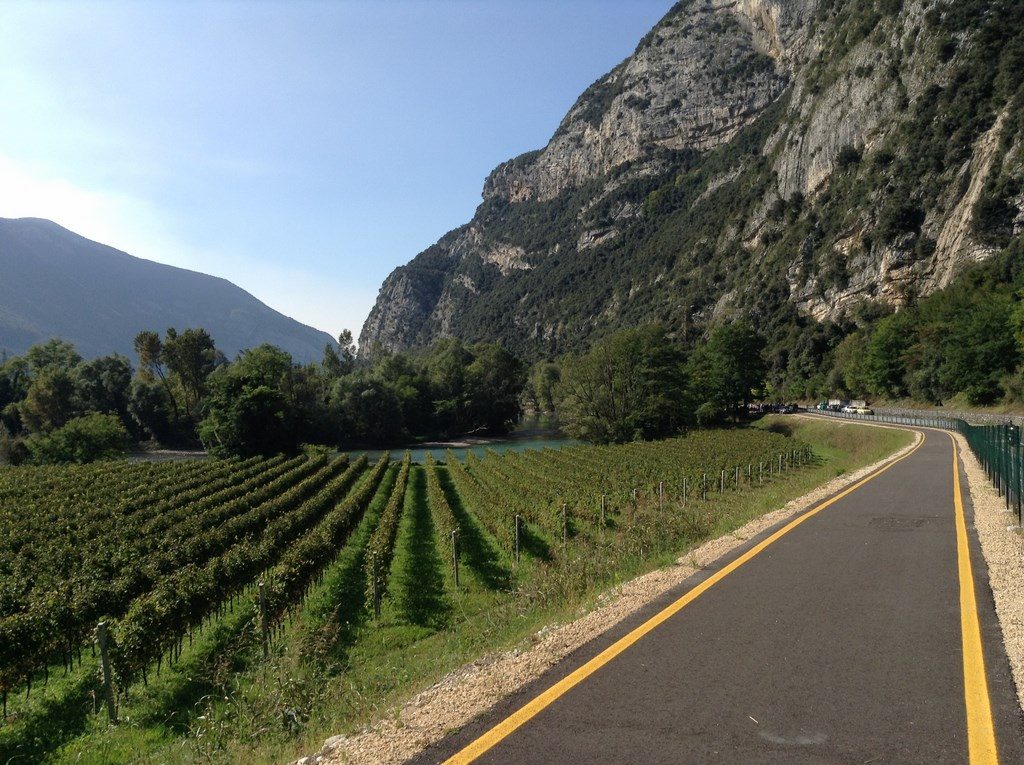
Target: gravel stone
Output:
[{"x": 1003, "y": 548}]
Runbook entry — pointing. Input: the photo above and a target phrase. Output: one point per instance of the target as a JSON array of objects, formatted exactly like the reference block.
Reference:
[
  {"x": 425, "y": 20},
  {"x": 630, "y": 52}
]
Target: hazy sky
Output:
[{"x": 301, "y": 150}]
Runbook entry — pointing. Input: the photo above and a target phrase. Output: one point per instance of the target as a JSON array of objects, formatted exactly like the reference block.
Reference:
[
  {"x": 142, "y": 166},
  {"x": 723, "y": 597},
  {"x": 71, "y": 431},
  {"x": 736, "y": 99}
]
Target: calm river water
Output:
[{"x": 521, "y": 439}]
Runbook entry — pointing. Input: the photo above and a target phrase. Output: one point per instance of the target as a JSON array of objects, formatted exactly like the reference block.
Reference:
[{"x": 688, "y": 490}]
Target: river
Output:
[{"x": 528, "y": 435}]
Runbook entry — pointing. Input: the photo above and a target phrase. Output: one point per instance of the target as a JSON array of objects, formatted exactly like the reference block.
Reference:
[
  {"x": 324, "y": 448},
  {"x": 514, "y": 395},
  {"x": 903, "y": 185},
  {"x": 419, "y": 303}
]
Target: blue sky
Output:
[{"x": 300, "y": 149}]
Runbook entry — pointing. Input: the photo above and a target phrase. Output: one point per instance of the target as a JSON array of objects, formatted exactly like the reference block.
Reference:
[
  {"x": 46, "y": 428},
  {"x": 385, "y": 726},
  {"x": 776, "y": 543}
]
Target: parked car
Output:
[
  {"x": 848, "y": 410},
  {"x": 864, "y": 410}
]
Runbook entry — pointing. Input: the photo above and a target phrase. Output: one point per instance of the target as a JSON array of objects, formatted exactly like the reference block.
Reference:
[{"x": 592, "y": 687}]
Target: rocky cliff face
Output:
[
  {"x": 779, "y": 158},
  {"x": 704, "y": 72}
]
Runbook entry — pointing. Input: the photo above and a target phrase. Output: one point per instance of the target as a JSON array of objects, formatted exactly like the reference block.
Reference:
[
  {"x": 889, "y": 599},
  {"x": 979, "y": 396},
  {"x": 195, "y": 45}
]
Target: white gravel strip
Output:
[
  {"x": 476, "y": 687},
  {"x": 1003, "y": 548}
]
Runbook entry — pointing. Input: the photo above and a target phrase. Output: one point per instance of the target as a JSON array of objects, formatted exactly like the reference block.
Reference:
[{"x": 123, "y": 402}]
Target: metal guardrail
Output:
[
  {"x": 975, "y": 418},
  {"x": 997, "y": 447}
]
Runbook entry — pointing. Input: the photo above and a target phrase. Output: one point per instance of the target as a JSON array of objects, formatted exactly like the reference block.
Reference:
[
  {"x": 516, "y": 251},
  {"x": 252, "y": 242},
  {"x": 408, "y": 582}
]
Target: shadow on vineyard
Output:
[
  {"x": 480, "y": 553},
  {"x": 339, "y": 609},
  {"x": 171, "y": 698},
  {"x": 418, "y": 588},
  {"x": 58, "y": 718},
  {"x": 534, "y": 544},
  {"x": 462, "y": 558}
]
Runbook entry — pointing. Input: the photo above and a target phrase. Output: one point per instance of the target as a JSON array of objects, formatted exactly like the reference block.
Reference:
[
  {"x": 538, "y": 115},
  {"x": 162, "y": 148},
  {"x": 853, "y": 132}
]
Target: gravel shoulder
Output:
[
  {"x": 1003, "y": 547},
  {"x": 474, "y": 688}
]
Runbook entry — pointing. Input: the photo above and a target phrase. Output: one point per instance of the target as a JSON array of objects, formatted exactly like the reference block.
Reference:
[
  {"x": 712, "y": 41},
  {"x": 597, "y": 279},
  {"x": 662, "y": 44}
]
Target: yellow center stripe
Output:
[
  {"x": 532, "y": 708},
  {"x": 981, "y": 737}
]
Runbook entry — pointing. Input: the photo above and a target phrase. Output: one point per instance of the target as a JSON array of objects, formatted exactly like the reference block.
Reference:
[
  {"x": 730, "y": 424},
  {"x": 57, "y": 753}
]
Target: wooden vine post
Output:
[
  {"x": 455, "y": 555},
  {"x": 376, "y": 587},
  {"x": 264, "y": 621}
]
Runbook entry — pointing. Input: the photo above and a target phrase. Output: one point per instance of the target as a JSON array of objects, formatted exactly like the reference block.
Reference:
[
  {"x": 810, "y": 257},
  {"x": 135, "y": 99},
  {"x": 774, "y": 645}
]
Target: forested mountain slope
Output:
[
  {"x": 811, "y": 164},
  {"x": 55, "y": 283}
]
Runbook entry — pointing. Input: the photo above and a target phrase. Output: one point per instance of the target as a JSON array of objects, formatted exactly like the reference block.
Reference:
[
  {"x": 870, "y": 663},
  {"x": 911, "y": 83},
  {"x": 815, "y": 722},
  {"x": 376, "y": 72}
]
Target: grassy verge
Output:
[{"x": 323, "y": 681}]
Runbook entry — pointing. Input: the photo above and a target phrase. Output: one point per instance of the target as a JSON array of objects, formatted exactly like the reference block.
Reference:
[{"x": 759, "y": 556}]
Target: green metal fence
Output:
[{"x": 997, "y": 447}]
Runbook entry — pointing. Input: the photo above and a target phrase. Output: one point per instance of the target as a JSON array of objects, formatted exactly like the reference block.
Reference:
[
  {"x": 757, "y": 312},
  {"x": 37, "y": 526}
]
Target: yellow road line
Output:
[
  {"x": 529, "y": 710},
  {"x": 981, "y": 737}
]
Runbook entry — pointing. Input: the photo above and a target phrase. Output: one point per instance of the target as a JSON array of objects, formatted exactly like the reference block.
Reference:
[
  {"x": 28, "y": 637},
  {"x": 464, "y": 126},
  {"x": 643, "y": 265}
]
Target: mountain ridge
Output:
[
  {"x": 800, "y": 162},
  {"x": 56, "y": 283}
]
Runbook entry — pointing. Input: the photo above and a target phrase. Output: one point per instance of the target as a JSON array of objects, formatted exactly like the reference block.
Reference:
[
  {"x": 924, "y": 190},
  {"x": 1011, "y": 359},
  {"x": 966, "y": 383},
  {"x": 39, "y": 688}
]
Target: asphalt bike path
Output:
[{"x": 862, "y": 630}]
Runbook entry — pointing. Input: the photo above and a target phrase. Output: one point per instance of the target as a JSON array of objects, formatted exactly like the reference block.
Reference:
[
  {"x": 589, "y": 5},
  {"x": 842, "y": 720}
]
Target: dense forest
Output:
[
  {"x": 638, "y": 384},
  {"x": 55, "y": 406}
]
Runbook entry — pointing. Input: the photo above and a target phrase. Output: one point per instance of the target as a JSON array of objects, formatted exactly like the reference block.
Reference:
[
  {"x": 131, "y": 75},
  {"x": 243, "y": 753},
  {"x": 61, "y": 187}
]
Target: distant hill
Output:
[{"x": 55, "y": 283}]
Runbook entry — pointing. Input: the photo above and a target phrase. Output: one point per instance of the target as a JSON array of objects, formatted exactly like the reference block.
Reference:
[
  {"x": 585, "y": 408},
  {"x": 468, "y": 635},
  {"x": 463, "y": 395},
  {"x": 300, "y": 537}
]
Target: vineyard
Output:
[{"x": 136, "y": 593}]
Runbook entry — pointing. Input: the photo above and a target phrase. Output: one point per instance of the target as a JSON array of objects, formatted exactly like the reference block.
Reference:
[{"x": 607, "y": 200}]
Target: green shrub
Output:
[
  {"x": 83, "y": 439},
  {"x": 849, "y": 155},
  {"x": 900, "y": 217},
  {"x": 993, "y": 219}
]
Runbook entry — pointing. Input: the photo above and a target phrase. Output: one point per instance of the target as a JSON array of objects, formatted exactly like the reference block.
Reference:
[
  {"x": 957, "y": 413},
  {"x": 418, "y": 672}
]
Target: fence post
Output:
[
  {"x": 661, "y": 495},
  {"x": 1020, "y": 481},
  {"x": 704, "y": 486},
  {"x": 1006, "y": 462},
  {"x": 108, "y": 682},
  {"x": 518, "y": 524},
  {"x": 376, "y": 587},
  {"x": 721, "y": 489},
  {"x": 455, "y": 556},
  {"x": 998, "y": 459},
  {"x": 565, "y": 525},
  {"x": 602, "y": 511}
]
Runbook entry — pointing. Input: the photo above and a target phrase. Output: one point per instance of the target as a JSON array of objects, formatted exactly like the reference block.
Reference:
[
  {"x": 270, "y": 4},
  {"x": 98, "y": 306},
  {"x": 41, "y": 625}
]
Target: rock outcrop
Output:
[{"x": 750, "y": 156}]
